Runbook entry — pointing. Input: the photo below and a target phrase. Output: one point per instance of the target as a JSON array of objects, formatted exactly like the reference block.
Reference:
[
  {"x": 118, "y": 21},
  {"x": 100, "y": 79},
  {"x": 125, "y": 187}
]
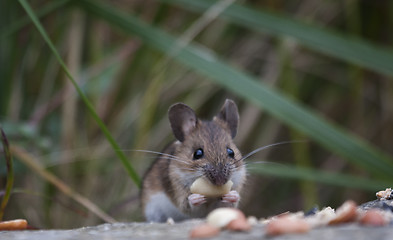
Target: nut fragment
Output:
[
  {"x": 387, "y": 194},
  {"x": 170, "y": 221},
  {"x": 373, "y": 218},
  {"x": 345, "y": 213},
  {"x": 221, "y": 217},
  {"x": 252, "y": 220},
  {"x": 239, "y": 224},
  {"x": 204, "y": 231},
  {"x": 322, "y": 217},
  {"x": 18, "y": 224},
  {"x": 287, "y": 224},
  {"x": 206, "y": 188}
]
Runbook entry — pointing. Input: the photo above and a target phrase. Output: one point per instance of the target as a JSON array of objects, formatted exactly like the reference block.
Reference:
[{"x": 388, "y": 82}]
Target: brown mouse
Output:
[{"x": 203, "y": 149}]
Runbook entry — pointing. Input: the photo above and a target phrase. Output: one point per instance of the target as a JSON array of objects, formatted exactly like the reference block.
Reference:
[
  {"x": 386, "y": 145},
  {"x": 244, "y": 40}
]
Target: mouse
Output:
[{"x": 202, "y": 148}]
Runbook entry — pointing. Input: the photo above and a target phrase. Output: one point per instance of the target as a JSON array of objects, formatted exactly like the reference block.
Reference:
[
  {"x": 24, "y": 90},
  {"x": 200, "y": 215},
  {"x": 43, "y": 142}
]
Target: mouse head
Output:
[{"x": 206, "y": 147}]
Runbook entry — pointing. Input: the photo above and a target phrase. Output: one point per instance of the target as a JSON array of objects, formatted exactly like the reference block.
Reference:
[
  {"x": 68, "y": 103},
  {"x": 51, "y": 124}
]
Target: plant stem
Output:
[
  {"x": 10, "y": 173},
  {"x": 130, "y": 170}
]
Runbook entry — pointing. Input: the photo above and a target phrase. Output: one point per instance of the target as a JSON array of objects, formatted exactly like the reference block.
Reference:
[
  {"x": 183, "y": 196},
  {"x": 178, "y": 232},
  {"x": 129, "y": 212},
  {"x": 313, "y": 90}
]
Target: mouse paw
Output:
[
  {"x": 196, "y": 199},
  {"x": 231, "y": 197}
]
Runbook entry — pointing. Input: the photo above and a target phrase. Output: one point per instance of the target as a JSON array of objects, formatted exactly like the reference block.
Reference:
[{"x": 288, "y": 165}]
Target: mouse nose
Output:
[{"x": 217, "y": 174}]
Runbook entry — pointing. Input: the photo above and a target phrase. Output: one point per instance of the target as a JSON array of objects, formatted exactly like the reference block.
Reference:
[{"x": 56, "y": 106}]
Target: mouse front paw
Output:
[
  {"x": 196, "y": 199},
  {"x": 231, "y": 197}
]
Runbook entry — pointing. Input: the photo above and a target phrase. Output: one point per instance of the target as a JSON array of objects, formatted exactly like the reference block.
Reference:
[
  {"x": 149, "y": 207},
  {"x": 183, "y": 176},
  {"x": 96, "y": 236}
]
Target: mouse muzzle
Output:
[{"x": 218, "y": 174}]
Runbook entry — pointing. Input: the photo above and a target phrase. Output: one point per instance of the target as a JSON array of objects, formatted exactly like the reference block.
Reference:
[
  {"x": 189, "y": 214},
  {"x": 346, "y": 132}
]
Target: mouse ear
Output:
[
  {"x": 230, "y": 115},
  {"x": 183, "y": 120}
]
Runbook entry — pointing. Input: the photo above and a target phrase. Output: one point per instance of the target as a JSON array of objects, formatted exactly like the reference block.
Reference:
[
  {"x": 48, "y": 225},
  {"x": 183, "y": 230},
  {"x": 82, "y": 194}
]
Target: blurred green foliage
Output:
[{"x": 318, "y": 71}]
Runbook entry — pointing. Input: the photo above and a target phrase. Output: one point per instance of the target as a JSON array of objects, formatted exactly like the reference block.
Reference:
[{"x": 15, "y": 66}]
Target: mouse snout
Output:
[{"x": 217, "y": 174}]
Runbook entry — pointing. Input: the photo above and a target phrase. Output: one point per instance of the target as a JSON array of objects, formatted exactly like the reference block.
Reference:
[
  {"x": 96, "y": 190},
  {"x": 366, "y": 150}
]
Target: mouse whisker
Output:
[
  {"x": 200, "y": 170},
  {"x": 249, "y": 167},
  {"x": 234, "y": 167},
  {"x": 199, "y": 174},
  {"x": 163, "y": 155},
  {"x": 158, "y": 153},
  {"x": 264, "y": 147},
  {"x": 187, "y": 169},
  {"x": 171, "y": 158},
  {"x": 262, "y": 162},
  {"x": 176, "y": 159}
]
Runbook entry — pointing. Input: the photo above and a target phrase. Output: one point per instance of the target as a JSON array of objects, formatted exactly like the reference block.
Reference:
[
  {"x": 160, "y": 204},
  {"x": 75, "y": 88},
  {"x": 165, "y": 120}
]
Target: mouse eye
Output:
[
  {"x": 198, "y": 154},
  {"x": 231, "y": 153}
]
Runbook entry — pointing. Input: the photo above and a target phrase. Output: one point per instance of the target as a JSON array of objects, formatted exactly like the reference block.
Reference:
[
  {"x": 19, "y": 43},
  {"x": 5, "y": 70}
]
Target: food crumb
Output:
[{"x": 385, "y": 195}]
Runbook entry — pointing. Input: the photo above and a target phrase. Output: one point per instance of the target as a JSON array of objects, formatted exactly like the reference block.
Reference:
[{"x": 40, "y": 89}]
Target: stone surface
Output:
[
  {"x": 165, "y": 231},
  {"x": 132, "y": 231},
  {"x": 386, "y": 205}
]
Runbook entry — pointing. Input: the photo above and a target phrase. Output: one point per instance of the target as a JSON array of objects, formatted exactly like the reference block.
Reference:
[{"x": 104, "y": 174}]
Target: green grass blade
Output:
[
  {"x": 302, "y": 173},
  {"x": 10, "y": 173},
  {"x": 293, "y": 114},
  {"x": 347, "y": 48},
  {"x": 17, "y": 25},
  {"x": 130, "y": 170}
]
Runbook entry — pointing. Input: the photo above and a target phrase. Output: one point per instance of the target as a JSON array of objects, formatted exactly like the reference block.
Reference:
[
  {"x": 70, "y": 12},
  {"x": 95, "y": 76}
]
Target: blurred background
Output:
[{"x": 315, "y": 74}]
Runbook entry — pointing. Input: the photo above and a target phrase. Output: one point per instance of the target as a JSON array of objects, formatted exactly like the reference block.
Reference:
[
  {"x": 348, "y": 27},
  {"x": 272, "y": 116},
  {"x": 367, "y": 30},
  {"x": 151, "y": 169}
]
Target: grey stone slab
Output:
[{"x": 131, "y": 231}]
